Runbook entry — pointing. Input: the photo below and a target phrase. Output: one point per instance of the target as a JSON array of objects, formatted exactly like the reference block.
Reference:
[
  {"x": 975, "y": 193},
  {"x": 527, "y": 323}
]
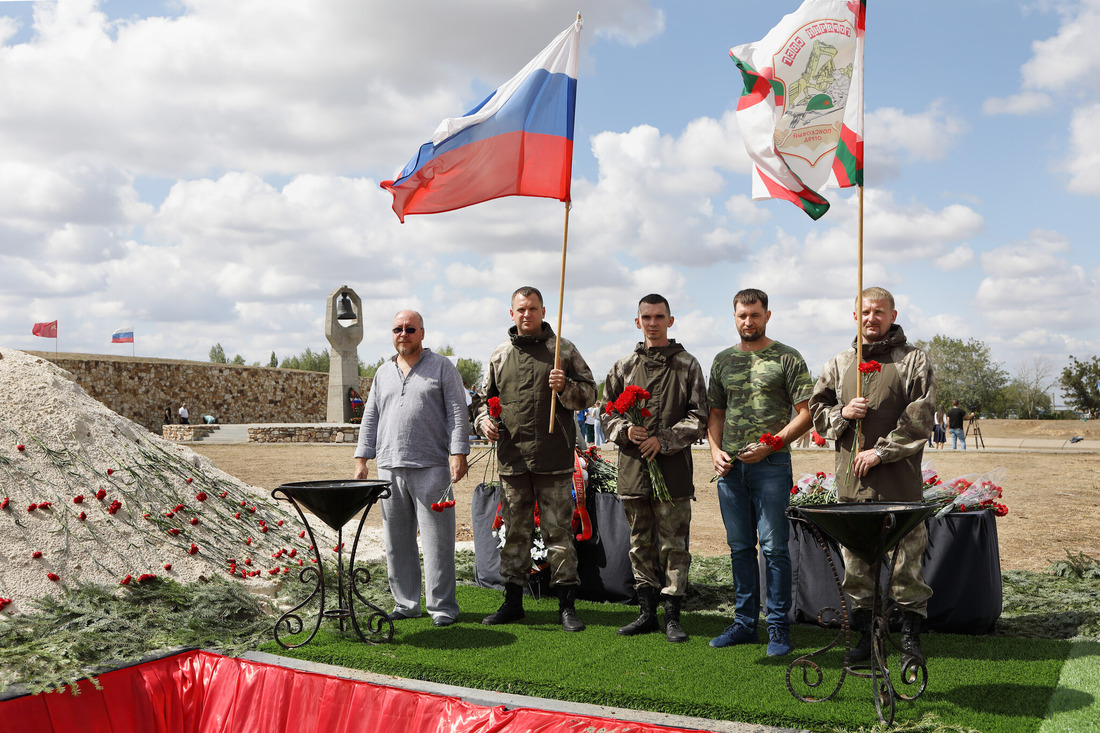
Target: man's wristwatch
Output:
[{"x": 878, "y": 452}]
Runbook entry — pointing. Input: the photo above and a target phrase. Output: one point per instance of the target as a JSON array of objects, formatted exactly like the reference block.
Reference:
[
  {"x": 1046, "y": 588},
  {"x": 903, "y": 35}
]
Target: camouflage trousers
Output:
[
  {"x": 554, "y": 494},
  {"x": 659, "y": 542},
  {"x": 907, "y": 586}
]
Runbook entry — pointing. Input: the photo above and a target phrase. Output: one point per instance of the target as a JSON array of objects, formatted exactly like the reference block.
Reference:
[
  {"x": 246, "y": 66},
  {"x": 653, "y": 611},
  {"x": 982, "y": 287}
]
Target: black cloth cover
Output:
[
  {"x": 603, "y": 561},
  {"x": 962, "y": 565}
]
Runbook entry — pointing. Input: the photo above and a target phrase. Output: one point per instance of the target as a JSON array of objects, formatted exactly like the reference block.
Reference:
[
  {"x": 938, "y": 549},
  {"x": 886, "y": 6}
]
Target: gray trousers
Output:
[{"x": 413, "y": 491}]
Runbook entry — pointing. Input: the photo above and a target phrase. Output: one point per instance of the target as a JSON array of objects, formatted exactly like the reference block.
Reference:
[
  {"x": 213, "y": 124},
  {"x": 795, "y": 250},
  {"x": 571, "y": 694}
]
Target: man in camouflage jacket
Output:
[
  {"x": 895, "y": 414},
  {"x": 755, "y": 388},
  {"x": 677, "y": 407},
  {"x": 535, "y": 464}
]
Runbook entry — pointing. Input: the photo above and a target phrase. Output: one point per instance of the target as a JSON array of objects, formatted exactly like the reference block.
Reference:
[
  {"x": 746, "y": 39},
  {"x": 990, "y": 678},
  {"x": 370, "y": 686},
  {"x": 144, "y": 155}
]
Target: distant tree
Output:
[
  {"x": 447, "y": 350},
  {"x": 471, "y": 372},
  {"x": 308, "y": 360},
  {"x": 273, "y": 362},
  {"x": 965, "y": 371},
  {"x": 1080, "y": 382},
  {"x": 217, "y": 354},
  {"x": 238, "y": 359},
  {"x": 368, "y": 370},
  {"x": 1028, "y": 388},
  {"x": 1024, "y": 399}
]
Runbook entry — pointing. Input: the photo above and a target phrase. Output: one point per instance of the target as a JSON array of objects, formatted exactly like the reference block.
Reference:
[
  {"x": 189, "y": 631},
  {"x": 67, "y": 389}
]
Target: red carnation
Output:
[
  {"x": 610, "y": 409},
  {"x": 31, "y": 507},
  {"x": 78, "y": 499},
  {"x": 189, "y": 479},
  {"x": 146, "y": 577},
  {"x": 869, "y": 367},
  {"x": 45, "y": 504},
  {"x": 223, "y": 494},
  {"x": 36, "y": 554},
  {"x": 646, "y": 413},
  {"x": 180, "y": 507},
  {"x": 248, "y": 541},
  {"x": 167, "y": 566},
  {"x": 82, "y": 516},
  {"x": 4, "y": 602},
  {"x": 236, "y": 515},
  {"x": 115, "y": 506},
  {"x": 20, "y": 447},
  {"x": 101, "y": 494},
  {"x": 53, "y": 576},
  {"x": 126, "y": 580},
  {"x": 110, "y": 471},
  {"x": 280, "y": 523},
  {"x": 194, "y": 520},
  {"x": 495, "y": 408},
  {"x": 201, "y": 496},
  {"x": 193, "y": 550},
  {"x": 263, "y": 529},
  {"x": 302, "y": 533},
  {"x": 173, "y": 531},
  {"x": 4, "y": 503}
]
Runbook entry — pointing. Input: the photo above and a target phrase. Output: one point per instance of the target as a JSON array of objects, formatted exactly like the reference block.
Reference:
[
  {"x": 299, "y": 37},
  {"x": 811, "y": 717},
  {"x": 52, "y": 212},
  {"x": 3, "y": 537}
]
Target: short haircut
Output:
[
  {"x": 875, "y": 294},
  {"x": 748, "y": 296},
  {"x": 410, "y": 310},
  {"x": 527, "y": 291},
  {"x": 655, "y": 299}
]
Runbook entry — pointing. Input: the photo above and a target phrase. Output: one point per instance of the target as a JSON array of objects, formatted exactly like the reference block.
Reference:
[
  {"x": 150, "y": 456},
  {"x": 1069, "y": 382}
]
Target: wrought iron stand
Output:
[
  {"x": 334, "y": 503},
  {"x": 869, "y": 530}
]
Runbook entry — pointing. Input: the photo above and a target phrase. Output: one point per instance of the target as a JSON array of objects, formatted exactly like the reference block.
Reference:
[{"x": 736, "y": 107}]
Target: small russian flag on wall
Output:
[{"x": 124, "y": 335}]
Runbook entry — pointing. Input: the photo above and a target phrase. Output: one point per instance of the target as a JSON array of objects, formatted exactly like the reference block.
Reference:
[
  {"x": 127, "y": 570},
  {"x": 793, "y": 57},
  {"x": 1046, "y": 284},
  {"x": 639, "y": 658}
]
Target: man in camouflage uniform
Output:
[
  {"x": 894, "y": 416},
  {"x": 677, "y": 406},
  {"x": 754, "y": 389},
  {"x": 535, "y": 464}
]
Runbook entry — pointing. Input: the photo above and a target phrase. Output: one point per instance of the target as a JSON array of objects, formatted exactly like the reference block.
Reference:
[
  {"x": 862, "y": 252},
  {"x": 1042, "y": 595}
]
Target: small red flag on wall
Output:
[{"x": 45, "y": 330}]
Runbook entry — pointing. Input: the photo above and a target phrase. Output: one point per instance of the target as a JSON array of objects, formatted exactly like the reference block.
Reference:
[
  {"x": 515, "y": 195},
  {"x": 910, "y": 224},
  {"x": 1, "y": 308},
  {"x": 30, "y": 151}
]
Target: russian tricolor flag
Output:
[
  {"x": 518, "y": 142},
  {"x": 124, "y": 335}
]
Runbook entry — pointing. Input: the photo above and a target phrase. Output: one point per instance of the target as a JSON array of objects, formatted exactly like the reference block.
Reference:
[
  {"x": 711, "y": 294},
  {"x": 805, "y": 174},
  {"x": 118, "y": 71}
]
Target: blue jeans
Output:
[
  {"x": 957, "y": 436},
  {"x": 753, "y": 498}
]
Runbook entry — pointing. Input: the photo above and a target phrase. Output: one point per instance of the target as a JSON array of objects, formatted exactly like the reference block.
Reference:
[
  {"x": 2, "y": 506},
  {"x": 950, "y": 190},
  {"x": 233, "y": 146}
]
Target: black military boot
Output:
[
  {"x": 673, "y": 632},
  {"x": 647, "y": 618},
  {"x": 512, "y": 608},
  {"x": 861, "y": 622},
  {"x": 567, "y": 594},
  {"x": 910, "y": 638}
]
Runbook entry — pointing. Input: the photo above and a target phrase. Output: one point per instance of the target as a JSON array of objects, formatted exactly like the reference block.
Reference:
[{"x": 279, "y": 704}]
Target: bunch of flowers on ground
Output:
[
  {"x": 968, "y": 493},
  {"x": 602, "y": 475},
  {"x": 814, "y": 489},
  {"x": 628, "y": 404}
]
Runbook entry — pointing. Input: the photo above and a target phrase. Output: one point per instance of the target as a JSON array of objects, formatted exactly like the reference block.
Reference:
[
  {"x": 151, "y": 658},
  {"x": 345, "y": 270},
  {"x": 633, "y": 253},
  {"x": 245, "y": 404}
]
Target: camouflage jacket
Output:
[
  {"x": 519, "y": 372},
  {"x": 678, "y": 416},
  {"x": 758, "y": 391},
  {"x": 900, "y": 416}
]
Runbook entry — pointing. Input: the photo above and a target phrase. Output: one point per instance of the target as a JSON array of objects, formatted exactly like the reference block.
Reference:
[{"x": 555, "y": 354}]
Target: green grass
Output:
[{"x": 992, "y": 684}]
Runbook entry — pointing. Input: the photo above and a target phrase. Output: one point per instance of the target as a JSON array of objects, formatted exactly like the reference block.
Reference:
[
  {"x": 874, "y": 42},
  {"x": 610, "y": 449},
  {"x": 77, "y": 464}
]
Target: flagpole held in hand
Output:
[{"x": 561, "y": 305}]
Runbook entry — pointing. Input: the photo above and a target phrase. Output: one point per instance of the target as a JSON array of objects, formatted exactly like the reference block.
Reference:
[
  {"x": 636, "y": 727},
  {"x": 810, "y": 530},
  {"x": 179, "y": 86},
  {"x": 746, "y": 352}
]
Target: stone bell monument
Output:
[{"x": 344, "y": 330}]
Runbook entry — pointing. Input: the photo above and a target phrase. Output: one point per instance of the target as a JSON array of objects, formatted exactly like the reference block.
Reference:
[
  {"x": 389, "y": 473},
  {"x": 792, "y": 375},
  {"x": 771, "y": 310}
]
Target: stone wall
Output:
[
  {"x": 141, "y": 387},
  {"x": 328, "y": 433}
]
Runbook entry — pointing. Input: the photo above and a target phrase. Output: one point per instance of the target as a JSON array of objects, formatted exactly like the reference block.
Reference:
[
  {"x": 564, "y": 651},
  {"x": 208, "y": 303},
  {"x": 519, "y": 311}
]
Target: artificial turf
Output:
[{"x": 991, "y": 684}]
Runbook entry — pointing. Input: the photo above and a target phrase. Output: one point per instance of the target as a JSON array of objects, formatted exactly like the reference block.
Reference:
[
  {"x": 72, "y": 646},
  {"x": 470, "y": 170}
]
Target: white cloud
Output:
[
  {"x": 1023, "y": 103},
  {"x": 958, "y": 258}
]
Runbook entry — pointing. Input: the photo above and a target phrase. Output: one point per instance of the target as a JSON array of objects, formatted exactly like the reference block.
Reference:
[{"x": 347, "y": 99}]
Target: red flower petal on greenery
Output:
[
  {"x": 248, "y": 541},
  {"x": 173, "y": 531},
  {"x": 194, "y": 520},
  {"x": 193, "y": 550},
  {"x": 146, "y": 577},
  {"x": 201, "y": 496},
  {"x": 189, "y": 479},
  {"x": 236, "y": 515},
  {"x": 126, "y": 580},
  {"x": 82, "y": 516},
  {"x": 263, "y": 529},
  {"x": 223, "y": 494}
]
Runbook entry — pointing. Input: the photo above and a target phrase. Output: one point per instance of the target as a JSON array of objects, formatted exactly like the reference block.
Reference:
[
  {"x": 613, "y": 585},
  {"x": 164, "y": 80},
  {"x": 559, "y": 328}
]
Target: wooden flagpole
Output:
[
  {"x": 859, "y": 238},
  {"x": 561, "y": 305}
]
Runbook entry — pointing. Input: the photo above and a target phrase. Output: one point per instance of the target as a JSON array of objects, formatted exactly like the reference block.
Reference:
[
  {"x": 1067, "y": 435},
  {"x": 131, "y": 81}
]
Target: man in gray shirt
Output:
[{"x": 416, "y": 427}]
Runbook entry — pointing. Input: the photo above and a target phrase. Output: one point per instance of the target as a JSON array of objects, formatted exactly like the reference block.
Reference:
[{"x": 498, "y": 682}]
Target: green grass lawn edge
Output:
[{"x": 990, "y": 684}]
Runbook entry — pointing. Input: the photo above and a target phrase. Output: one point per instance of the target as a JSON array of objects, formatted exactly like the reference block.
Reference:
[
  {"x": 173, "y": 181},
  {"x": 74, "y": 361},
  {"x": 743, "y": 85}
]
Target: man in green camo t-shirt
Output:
[{"x": 755, "y": 387}]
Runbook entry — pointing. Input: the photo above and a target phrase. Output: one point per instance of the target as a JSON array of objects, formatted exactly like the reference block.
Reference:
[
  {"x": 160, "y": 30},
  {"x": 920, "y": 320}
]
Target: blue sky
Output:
[{"x": 207, "y": 172}]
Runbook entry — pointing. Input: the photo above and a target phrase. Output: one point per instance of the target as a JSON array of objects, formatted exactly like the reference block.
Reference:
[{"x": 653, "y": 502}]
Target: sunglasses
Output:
[{"x": 406, "y": 329}]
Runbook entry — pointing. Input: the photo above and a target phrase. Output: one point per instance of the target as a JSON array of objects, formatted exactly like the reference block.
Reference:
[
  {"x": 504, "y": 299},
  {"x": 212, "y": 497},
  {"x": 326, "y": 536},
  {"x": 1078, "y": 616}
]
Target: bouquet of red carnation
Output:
[
  {"x": 867, "y": 369},
  {"x": 628, "y": 404}
]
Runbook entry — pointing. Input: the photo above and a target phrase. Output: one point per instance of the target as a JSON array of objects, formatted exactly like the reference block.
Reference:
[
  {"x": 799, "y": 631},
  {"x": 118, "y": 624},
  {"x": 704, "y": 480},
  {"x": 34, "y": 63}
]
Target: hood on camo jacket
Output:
[
  {"x": 678, "y": 407},
  {"x": 901, "y": 412},
  {"x": 519, "y": 374}
]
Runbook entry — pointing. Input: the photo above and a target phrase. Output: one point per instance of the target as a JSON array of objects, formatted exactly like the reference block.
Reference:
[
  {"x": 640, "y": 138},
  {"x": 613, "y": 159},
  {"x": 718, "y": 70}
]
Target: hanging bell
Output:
[{"x": 344, "y": 311}]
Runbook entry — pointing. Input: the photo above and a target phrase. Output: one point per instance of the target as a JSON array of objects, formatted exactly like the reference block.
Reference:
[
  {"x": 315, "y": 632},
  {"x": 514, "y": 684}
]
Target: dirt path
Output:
[{"x": 1053, "y": 498}]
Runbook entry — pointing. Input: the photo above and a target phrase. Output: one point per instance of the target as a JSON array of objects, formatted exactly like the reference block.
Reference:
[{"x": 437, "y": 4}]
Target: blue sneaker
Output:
[
  {"x": 734, "y": 634},
  {"x": 779, "y": 641}
]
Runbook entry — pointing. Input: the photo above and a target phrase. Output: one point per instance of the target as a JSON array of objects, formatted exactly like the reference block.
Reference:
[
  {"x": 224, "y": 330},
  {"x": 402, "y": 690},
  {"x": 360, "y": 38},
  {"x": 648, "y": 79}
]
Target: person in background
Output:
[{"x": 184, "y": 414}]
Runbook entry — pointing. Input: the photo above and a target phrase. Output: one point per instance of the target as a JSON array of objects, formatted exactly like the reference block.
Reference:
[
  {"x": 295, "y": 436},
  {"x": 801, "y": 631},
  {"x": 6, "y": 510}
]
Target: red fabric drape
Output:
[{"x": 201, "y": 692}]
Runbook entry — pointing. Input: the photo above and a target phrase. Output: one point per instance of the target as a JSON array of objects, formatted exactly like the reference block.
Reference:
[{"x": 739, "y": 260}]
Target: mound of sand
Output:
[{"x": 89, "y": 495}]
